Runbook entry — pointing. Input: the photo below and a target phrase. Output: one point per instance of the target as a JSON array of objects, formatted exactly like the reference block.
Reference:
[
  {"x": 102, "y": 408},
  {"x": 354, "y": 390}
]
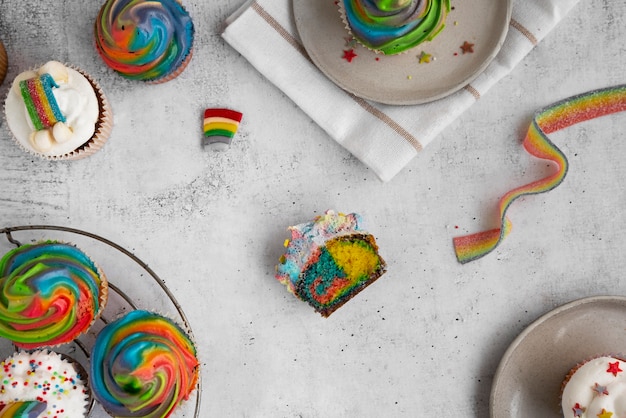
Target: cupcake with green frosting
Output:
[
  {"x": 50, "y": 293},
  {"x": 394, "y": 26}
]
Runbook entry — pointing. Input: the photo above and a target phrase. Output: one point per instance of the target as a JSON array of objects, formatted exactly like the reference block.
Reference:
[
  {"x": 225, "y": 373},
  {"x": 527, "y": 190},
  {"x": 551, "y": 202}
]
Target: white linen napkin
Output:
[{"x": 266, "y": 28}]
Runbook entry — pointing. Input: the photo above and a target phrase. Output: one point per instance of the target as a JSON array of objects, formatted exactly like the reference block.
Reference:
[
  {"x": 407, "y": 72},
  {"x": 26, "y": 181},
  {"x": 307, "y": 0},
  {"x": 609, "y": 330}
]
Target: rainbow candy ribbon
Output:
[
  {"x": 221, "y": 122},
  {"x": 41, "y": 104},
  {"x": 557, "y": 116},
  {"x": 23, "y": 409}
]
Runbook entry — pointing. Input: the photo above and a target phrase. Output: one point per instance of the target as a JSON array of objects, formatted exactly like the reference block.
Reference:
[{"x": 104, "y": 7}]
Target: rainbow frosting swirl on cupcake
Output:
[
  {"x": 144, "y": 40},
  {"x": 50, "y": 293},
  {"x": 394, "y": 26},
  {"x": 143, "y": 365}
]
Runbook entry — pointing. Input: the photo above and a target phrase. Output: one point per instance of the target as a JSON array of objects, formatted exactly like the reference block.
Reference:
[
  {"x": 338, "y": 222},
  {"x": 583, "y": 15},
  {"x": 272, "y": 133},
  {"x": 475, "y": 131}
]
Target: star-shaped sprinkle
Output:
[
  {"x": 424, "y": 57},
  {"x": 578, "y": 410},
  {"x": 349, "y": 55},
  {"x": 350, "y": 42},
  {"x": 605, "y": 414},
  {"x": 600, "y": 390},
  {"x": 614, "y": 368},
  {"x": 467, "y": 47}
]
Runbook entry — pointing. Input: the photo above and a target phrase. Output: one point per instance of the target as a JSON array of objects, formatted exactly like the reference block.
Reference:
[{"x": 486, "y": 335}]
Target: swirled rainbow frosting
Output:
[
  {"x": 148, "y": 40},
  {"x": 143, "y": 365},
  {"x": 329, "y": 261},
  {"x": 50, "y": 293},
  {"x": 394, "y": 26}
]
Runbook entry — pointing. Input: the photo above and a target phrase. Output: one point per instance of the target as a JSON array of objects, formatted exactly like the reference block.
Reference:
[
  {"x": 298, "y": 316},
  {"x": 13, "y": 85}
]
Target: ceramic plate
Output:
[
  {"x": 402, "y": 79},
  {"x": 528, "y": 380}
]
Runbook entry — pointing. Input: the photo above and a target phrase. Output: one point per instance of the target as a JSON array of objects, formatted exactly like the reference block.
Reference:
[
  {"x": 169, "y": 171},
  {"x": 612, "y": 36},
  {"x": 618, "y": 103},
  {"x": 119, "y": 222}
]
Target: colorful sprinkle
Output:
[
  {"x": 467, "y": 47},
  {"x": 349, "y": 55},
  {"x": 424, "y": 57},
  {"x": 555, "y": 117}
]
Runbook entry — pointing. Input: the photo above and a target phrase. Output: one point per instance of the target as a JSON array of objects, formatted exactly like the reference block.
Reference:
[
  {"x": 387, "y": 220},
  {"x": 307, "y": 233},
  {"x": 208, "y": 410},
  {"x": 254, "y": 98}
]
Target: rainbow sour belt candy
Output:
[
  {"x": 142, "y": 365},
  {"x": 22, "y": 409},
  {"x": 49, "y": 294},
  {"x": 220, "y": 126},
  {"x": 550, "y": 119},
  {"x": 40, "y": 103},
  {"x": 394, "y": 26}
]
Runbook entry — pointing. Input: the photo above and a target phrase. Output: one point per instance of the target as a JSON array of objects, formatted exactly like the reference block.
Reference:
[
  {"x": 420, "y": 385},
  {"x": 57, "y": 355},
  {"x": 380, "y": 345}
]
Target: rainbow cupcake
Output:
[
  {"x": 329, "y": 261},
  {"x": 143, "y": 365},
  {"x": 50, "y": 293},
  {"x": 58, "y": 112},
  {"x": 394, "y": 26},
  {"x": 147, "y": 40}
]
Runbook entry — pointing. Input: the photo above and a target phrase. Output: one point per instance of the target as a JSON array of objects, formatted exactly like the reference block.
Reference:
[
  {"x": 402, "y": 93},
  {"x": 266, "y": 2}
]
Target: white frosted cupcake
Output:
[
  {"x": 44, "y": 380},
  {"x": 58, "y": 112},
  {"x": 595, "y": 388}
]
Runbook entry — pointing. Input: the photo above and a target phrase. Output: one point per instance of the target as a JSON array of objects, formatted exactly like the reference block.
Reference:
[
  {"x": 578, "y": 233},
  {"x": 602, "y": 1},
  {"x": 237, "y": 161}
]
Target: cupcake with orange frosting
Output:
[
  {"x": 148, "y": 40},
  {"x": 50, "y": 293},
  {"x": 143, "y": 365},
  {"x": 58, "y": 112}
]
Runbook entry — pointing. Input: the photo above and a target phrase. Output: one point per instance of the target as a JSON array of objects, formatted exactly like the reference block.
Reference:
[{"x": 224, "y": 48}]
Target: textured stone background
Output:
[{"x": 426, "y": 339}]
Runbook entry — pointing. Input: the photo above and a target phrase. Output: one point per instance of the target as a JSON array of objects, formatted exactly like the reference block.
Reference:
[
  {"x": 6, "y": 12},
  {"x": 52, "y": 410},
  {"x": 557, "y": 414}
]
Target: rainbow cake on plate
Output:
[
  {"x": 329, "y": 260},
  {"x": 394, "y": 26}
]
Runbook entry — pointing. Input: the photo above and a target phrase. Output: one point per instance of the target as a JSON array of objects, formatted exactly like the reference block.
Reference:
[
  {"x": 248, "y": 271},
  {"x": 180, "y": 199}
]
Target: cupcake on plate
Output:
[
  {"x": 143, "y": 365},
  {"x": 147, "y": 40},
  {"x": 43, "y": 384},
  {"x": 595, "y": 388},
  {"x": 58, "y": 112},
  {"x": 329, "y": 260},
  {"x": 50, "y": 293},
  {"x": 394, "y": 26},
  {"x": 4, "y": 62}
]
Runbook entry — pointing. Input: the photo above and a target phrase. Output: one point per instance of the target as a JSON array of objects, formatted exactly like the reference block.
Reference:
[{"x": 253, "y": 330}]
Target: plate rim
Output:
[
  {"x": 514, "y": 345},
  {"x": 455, "y": 87}
]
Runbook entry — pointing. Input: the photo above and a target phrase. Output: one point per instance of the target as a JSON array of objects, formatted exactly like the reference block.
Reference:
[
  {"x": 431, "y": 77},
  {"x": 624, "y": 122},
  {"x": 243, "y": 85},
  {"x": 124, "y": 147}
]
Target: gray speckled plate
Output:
[
  {"x": 402, "y": 79},
  {"x": 528, "y": 380}
]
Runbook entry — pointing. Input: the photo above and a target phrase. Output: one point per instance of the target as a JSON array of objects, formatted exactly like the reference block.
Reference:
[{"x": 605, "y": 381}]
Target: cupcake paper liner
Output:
[{"x": 4, "y": 62}]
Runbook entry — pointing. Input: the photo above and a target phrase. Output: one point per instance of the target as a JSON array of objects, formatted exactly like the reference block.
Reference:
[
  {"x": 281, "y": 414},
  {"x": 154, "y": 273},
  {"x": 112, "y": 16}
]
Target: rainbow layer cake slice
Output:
[{"x": 329, "y": 260}]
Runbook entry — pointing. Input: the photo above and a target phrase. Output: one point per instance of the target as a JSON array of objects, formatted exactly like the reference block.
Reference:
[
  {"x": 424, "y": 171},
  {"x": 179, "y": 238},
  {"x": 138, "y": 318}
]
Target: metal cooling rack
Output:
[{"x": 118, "y": 300}]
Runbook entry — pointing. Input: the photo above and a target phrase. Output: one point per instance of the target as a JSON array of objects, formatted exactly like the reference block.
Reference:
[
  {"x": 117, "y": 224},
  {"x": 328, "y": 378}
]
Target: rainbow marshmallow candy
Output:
[
  {"x": 219, "y": 127},
  {"x": 550, "y": 119}
]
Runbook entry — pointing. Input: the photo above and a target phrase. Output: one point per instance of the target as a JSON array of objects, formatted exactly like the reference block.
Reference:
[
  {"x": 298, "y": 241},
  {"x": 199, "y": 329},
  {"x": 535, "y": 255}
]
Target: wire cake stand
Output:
[{"x": 132, "y": 285}]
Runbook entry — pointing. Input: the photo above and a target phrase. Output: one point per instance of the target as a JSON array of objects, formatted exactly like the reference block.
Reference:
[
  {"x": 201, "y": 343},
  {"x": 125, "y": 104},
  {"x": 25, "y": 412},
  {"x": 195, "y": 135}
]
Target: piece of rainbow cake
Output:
[{"x": 329, "y": 261}]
